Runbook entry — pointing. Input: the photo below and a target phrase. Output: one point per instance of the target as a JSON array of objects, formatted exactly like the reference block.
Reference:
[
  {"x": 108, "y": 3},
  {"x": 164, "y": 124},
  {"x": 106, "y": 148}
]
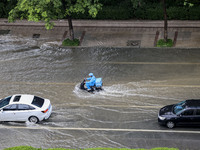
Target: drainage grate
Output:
[
  {"x": 134, "y": 43},
  {"x": 2, "y": 32},
  {"x": 36, "y": 36}
]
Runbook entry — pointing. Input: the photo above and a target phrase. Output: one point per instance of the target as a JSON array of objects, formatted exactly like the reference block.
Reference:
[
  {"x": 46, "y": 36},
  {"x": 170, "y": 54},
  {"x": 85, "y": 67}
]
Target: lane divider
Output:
[
  {"x": 124, "y": 63},
  {"x": 114, "y": 106},
  {"x": 154, "y": 63},
  {"x": 73, "y": 84},
  {"x": 100, "y": 129},
  {"x": 175, "y": 85},
  {"x": 39, "y": 83}
]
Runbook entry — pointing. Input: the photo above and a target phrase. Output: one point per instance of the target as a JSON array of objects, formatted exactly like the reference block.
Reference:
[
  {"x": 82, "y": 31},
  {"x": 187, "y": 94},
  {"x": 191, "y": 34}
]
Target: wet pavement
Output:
[{"x": 137, "y": 83}]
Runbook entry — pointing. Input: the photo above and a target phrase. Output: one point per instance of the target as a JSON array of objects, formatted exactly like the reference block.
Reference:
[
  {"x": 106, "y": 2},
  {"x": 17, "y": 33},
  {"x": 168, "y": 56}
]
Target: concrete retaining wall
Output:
[{"x": 110, "y": 33}]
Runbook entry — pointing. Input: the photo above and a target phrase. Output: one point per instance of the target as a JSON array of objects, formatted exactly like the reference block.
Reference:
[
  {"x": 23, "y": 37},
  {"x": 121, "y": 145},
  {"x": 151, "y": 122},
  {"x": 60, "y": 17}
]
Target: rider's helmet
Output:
[{"x": 90, "y": 74}]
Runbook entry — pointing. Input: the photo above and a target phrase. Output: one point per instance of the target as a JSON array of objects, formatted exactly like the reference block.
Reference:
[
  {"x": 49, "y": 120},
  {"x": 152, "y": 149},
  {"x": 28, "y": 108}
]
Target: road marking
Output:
[
  {"x": 73, "y": 84},
  {"x": 99, "y": 129},
  {"x": 175, "y": 85},
  {"x": 39, "y": 83},
  {"x": 154, "y": 63},
  {"x": 114, "y": 106},
  {"x": 125, "y": 63}
]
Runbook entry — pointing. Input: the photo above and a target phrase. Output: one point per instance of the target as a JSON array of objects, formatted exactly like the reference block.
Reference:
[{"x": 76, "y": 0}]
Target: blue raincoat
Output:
[{"x": 91, "y": 82}]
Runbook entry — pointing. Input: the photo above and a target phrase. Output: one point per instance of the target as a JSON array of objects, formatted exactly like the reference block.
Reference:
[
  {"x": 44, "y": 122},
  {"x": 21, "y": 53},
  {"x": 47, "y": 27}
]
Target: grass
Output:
[
  {"x": 162, "y": 43},
  {"x": 32, "y": 148},
  {"x": 68, "y": 42}
]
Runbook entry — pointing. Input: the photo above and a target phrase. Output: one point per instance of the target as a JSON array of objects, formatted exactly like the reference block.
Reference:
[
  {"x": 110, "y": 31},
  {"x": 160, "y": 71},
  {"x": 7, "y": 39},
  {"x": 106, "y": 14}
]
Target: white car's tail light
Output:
[{"x": 45, "y": 110}]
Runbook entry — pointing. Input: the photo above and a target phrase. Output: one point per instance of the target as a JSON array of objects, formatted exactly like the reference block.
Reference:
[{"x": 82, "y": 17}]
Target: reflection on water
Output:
[{"x": 134, "y": 89}]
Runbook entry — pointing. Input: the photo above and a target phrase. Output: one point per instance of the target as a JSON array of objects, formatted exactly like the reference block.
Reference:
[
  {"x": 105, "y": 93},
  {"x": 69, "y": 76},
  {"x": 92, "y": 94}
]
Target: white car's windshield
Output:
[
  {"x": 5, "y": 101},
  {"x": 179, "y": 107}
]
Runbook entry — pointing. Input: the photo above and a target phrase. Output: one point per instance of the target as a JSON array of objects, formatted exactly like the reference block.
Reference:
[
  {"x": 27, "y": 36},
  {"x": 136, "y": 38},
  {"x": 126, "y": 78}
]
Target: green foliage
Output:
[
  {"x": 80, "y": 6},
  {"x": 118, "y": 10},
  {"x": 193, "y": 13},
  {"x": 191, "y": 3},
  {"x": 32, "y": 148},
  {"x": 149, "y": 12},
  {"x": 137, "y": 3},
  {"x": 155, "y": 12},
  {"x": 47, "y": 10},
  {"x": 162, "y": 43},
  {"x": 115, "y": 13},
  {"x": 23, "y": 148},
  {"x": 68, "y": 42},
  {"x": 36, "y": 10},
  {"x": 164, "y": 148},
  {"x": 6, "y": 6}
]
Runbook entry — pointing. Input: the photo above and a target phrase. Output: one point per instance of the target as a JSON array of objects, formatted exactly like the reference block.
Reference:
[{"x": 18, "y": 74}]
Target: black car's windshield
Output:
[
  {"x": 179, "y": 107},
  {"x": 5, "y": 101}
]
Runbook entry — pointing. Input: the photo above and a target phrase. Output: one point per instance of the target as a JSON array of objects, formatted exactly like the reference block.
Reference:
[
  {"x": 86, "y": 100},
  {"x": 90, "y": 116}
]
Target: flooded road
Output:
[{"x": 137, "y": 83}]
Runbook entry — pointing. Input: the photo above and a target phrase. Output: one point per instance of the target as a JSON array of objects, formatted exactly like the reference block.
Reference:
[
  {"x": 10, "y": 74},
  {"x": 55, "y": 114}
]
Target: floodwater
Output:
[{"x": 137, "y": 83}]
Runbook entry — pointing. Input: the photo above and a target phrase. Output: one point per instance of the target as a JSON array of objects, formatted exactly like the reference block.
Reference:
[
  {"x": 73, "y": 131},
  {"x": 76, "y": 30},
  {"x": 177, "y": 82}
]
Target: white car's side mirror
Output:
[{"x": 1, "y": 110}]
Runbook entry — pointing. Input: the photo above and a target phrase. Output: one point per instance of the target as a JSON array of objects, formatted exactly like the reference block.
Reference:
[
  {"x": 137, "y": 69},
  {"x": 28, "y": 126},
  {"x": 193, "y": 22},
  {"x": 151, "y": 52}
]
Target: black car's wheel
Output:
[
  {"x": 170, "y": 124},
  {"x": 33, "y": 119}
]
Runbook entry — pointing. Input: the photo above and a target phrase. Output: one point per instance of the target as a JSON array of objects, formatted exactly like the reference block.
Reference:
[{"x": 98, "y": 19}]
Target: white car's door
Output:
[
  {"x": 8, "y": 113},
  {"x": 23, "y": 112}
]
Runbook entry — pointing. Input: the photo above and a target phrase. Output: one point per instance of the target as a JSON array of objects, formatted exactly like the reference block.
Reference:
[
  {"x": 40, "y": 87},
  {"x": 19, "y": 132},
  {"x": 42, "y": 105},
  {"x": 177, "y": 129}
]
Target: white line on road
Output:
[
  {"x": 154, "y": 63},
  {"x": 99, "y": 129},
  {"x": 73, "y": 84},
  {"x": 116, "y": 106}
]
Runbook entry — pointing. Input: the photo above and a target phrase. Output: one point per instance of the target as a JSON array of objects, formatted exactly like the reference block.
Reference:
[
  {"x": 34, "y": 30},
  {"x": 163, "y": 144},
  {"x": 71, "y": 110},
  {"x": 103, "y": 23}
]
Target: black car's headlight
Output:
[{"x": 161, "y": 117}]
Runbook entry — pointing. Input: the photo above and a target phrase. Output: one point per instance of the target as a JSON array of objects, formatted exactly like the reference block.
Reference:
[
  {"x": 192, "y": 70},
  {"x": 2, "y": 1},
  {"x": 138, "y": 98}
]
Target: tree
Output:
[
  {"x": 165, "y": 21},
  {"x": 6, "y": 6},
  {"x": 136, "y": 3},
  {"x": 48, "y": 10},
  {"x": 191, "y": 3}
]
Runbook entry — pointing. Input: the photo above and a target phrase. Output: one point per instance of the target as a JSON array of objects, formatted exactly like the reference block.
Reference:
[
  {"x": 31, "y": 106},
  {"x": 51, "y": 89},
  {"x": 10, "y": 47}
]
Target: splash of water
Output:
[{"x": 131, "y": 89}]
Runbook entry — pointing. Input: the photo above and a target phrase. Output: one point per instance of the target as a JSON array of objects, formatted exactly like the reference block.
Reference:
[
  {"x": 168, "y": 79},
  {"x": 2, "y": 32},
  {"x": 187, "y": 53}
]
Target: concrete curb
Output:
[{"x": 110, "y": 23}]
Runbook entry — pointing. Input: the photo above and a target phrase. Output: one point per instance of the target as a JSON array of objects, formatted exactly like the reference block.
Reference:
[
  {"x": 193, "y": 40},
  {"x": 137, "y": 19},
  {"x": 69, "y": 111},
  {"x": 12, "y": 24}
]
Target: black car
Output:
[{"x": 184, "y": 113}]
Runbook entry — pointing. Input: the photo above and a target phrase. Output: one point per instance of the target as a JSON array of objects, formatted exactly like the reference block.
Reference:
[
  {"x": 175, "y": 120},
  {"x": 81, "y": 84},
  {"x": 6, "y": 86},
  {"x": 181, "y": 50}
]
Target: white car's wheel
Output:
[
  {"x": 33, "y": 119},
  {"x": 170, "y": 124}
]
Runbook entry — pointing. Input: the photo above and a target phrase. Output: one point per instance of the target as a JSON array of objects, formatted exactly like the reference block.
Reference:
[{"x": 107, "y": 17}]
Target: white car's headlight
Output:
[{"x": 161, "y": 118}]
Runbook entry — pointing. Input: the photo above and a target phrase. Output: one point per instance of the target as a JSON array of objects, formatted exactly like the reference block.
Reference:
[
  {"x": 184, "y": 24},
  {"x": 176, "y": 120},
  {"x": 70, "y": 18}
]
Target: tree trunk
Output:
[
  {"x": 71, "y": 30},
  {"x": 165, "y": 22}
]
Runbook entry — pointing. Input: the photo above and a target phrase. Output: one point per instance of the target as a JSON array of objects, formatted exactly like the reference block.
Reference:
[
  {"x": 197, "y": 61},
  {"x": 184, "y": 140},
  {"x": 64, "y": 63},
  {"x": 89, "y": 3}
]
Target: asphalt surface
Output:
[{"x": 137, "y": 83}]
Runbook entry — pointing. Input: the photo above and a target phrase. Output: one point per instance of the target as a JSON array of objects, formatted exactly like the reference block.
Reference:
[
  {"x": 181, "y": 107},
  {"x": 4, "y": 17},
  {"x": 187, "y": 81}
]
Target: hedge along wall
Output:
[
  {"x": 122, "y": 9},
  {"x": 150, "y": 12},
  {"x": 6, "y": 6},
  {"x": 173, "y": 13}
]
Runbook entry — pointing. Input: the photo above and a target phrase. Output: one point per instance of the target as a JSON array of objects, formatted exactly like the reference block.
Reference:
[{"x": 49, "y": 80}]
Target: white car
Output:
[{"x": 23, "y": 107}]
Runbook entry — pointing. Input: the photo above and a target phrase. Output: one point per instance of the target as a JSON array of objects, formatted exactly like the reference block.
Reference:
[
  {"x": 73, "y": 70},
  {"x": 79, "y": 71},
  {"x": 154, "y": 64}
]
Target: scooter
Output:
[{"x": 97, "y": 87}]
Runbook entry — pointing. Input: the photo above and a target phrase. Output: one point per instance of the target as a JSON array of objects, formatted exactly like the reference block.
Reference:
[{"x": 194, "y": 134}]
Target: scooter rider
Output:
[{"x": 91, "y": 81}]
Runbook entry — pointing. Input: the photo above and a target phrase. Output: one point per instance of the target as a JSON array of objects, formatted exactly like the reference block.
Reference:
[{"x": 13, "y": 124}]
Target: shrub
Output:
[
  {"x": 115, "y": 13},
  {"x": 193, "y": 13},
  {"x": 180, "y": 13},
  {"x": 111, "y": 12},
  {"x": 154, "y": 13},
  {"x": 162, "y": 43},
  {"x": 68, "y": 42},
  {"x": 150, "y": 12}
]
